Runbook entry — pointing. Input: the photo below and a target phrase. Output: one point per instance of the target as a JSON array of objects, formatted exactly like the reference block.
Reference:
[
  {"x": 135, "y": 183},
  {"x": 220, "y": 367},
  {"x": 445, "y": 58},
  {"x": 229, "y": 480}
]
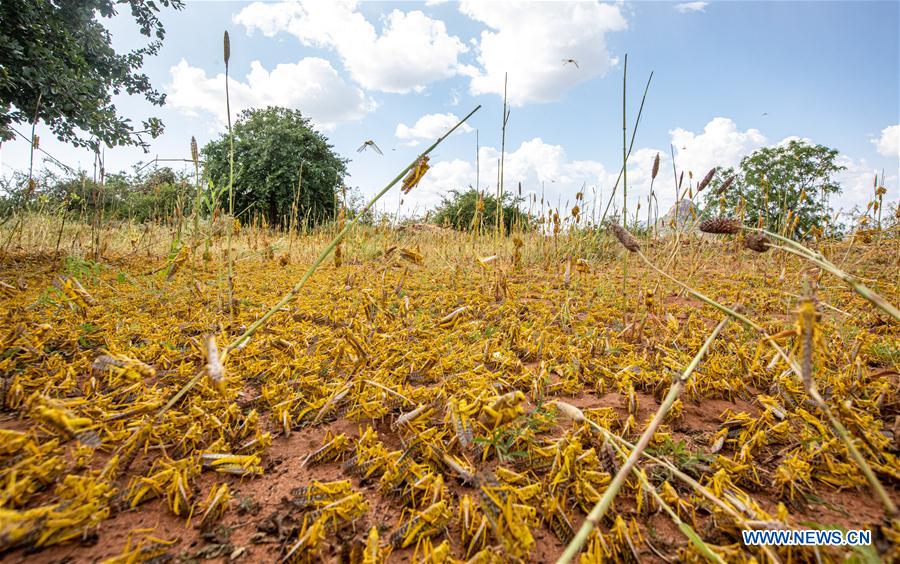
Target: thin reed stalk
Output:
[
  {"x": 501, "y": 171},
  {"x": 578, "y": 416},
  {"x": 634, "y": 130},
  {"x": 230, "y": 281},
  {"x": 819, "y": 260},
  {"x": 603, "y": 505},
  {"x": 624, "y": 189},
  {"x": 841, "y": 431}
]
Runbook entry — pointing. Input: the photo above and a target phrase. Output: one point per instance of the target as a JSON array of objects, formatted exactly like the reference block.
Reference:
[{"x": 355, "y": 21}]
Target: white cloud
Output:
[
  {"x": 888, "y": 144},
  {"x": 533, "y": 163},
  {"x": 857, "y": 183},
  {"x": 531, "y": 41},
  {"x": 786, "y": 141},
  {"x": 721, "y": 144},
  {"x": 310, "y": 85},
  {"x": 430, "y": 126},
  {"x": 546, "y": 167},
  {"x": 686, "y": 7},
  {"x": 411, "y": 51}
]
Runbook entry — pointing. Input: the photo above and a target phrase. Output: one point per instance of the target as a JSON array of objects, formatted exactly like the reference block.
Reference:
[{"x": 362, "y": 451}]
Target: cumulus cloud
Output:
[
  {"x": 531, "y": 41},
  {"x": 888, "y": 144},
  {"x": 857, "y": 183},
  {"x": 546, "y": 168},
  {"x": 411, "y": 51},
  {"x": 429, "y": 126},
  {"x": 533, "y": 164},
  {"x": 686, "y": 7},
  {"x": 310, "y": 85},
  {"x": 721, "y": 144}
]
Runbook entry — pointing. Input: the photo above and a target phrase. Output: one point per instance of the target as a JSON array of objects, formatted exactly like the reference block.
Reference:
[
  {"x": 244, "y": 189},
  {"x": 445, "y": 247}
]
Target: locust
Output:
[
  {"x": 215, "y": 506},
  {"x": 238, "y": 464},
  {"x": 502, "y": 409},
  {"x": 425, "y": 523},
  {"x": 333, "y": 449},
  {"x": 416, "y": 174}
]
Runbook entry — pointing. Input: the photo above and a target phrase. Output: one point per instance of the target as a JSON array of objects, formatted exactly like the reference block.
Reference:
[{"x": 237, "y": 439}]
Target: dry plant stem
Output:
[
  {"x": 872, "y": 297},
  {"x": 330, "y": 247},
  {"x": 839, "y": 429},
  {"x": 702, "y": 490},
  {"x": 685, "y": 528},
  {"x": 819, "y": 260},
  {"x": 500, "y": 173},
  {"x": 609, "y": 494},
  {"x": 624, "y": 193},
  {"x": 230, "y": 280},
  {"x": 637, "y": 122}
]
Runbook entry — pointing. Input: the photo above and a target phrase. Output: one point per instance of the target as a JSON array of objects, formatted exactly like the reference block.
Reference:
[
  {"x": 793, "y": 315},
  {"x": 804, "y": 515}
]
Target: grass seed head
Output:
[
  {"x": 728, "y": 182},
  {"x": 627, "y": 239},
  {"x": 227, "y": 47},
  {"x": 706, "y": 180},
  {"x": 655, "y": 170},
  {"x": 720, "y": 226}
]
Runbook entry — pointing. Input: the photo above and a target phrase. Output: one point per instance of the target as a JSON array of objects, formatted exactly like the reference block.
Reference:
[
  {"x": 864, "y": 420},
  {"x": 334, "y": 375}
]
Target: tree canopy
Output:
[
  {"x": 787, "y": 185},
  {"x": 271, "y": 146},
  {"x": 57, "y": 64}
]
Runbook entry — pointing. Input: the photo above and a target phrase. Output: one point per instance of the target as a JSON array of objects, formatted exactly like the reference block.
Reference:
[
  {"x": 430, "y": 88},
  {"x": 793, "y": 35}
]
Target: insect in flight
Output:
[{"x": 369, "y": 143}]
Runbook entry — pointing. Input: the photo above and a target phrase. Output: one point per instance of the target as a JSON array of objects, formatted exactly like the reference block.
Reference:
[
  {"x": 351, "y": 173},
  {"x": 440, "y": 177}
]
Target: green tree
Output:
[
  {"x": 793, "y": 179},
  {"x": 459, "y": 211},
  {"x": 57, "y": 64},
  {"x": 271, "y": 146}
]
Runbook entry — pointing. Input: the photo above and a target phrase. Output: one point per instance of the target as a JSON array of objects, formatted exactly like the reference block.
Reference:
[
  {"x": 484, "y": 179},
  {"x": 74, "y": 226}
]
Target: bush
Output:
[
  {"x": 271, "y": 147},
  {"x": 470, "y": 210}
]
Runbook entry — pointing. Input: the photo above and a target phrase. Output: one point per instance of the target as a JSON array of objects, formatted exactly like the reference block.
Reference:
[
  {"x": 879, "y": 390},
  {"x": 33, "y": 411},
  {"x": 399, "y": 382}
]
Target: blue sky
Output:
[{"x": 729, "y": 77}]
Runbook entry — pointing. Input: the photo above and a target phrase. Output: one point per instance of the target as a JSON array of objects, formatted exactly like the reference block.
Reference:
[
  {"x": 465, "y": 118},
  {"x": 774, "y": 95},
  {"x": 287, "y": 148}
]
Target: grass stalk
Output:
[
  {"x": 624, "y": 189},
  {"x": 230, "y": 281},
  {"x": 839, "y": 429},
  {"x": 819, "y": 260},
  {"x": 634, "y": 129},
  {"x": 577, "y": 415},
  {"x": 500, "y": 171},
  {"x": 603, "y": 505}
]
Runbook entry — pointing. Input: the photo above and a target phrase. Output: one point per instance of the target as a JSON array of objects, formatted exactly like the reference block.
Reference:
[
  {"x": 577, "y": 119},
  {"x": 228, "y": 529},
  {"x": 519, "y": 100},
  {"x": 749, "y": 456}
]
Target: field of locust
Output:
[{"x": 444, "y": 397}]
